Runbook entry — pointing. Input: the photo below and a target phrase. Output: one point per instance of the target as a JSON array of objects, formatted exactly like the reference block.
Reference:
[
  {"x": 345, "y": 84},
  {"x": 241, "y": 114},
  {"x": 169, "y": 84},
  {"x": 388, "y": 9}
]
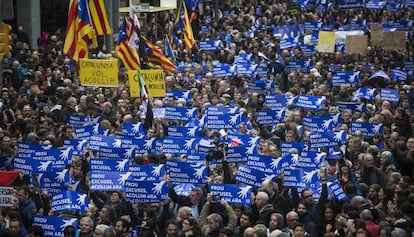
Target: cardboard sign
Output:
[
  {"x": 394, "y": 40},
  {"x": 356, "y": 44},
  {"x": 376, "y": 34},
  {"x": 96, "y": 72}
]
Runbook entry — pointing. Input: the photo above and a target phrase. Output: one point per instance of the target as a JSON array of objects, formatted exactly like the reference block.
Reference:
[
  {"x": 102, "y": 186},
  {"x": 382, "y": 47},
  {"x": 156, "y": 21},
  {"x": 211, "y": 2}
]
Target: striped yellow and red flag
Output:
[
  {"x": 79, "y": 30},
  {"x": 127, "y": 54},
  {"x": 183, "y": 23},
  {"x": 99, "y": 17},
  {"x": 157, "y": 58}
]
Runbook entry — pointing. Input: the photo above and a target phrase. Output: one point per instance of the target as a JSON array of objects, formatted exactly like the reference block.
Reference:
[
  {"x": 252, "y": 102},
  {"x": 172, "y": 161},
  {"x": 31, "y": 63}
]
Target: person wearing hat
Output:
[{"x": 146, "y": 229}]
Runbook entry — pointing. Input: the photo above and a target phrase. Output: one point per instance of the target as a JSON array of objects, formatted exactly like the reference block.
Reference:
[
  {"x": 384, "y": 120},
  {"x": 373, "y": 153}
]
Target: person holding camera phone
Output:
[{"x": 211, "y": 224}]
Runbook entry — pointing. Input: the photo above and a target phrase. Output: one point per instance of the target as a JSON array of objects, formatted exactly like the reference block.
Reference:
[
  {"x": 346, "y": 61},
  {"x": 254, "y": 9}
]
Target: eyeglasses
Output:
[{"x": 292, "y": 219}]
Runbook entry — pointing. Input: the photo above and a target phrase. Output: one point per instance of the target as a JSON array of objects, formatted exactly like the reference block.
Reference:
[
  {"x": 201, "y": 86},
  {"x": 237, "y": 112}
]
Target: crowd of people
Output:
[{"x": 41, "y": 89}]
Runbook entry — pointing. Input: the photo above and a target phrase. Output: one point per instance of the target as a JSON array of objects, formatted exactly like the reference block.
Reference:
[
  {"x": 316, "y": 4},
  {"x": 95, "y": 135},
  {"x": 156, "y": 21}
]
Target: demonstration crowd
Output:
[{"x": 41, "y": 89}]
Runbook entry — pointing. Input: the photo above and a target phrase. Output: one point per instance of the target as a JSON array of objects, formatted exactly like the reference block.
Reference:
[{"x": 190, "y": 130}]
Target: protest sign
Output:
[
  {"x": 146, "y": 191},
  {"x": 356, "y": 44},
  {"x": 54, "y": 226},
  {"x": 233, "y": 194},
  {"x": 70, "y": 201},
  {"x": 326, "y": 42},
  {"x": 376, "y": 34},
  {"x": 394, "y": 40},
  {"x": 94, "y": 72},
  {"x": 154, "y": 82},
  {"x": 6, "y": 196}
]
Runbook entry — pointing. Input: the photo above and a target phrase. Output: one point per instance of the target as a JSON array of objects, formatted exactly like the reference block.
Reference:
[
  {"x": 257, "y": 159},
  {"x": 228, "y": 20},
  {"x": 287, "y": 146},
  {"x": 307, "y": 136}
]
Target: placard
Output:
[
  {"x": 96, "y": 72},
  {"x": 6, "y": 196},
  {"x": 356, "y": 44},
  {"x": 154, "y": 81},
  {"x": 394, "y": 40},
  {"x": 376, "y": 34},
  {"x": 326, "y": 42}
]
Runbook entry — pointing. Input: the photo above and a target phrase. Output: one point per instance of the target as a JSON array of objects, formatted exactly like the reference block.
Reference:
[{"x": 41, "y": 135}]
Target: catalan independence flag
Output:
[
  {"x": 127, "y": 54},
  {"x": 79, "y": 30},
  {"x": 156, "y": 58},
  {"x": 99, "y": 18},
  {"x": 183, "y": 23}
]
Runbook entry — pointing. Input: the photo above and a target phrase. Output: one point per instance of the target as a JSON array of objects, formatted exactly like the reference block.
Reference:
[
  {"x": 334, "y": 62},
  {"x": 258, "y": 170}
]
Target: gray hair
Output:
[{"x": 215, "y": 217}]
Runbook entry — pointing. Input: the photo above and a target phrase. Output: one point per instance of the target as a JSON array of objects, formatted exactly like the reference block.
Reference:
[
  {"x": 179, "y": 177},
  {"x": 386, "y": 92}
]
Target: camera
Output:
[
  {"x": 216, "y": 152},
  {"x": 216, "y": 197}
]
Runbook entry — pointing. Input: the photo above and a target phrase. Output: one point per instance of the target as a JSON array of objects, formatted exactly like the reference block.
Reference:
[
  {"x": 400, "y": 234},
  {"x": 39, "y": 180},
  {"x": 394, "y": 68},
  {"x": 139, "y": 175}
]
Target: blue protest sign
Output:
[
  {"x": 26, "y": 149},
  {"x": 311, "y": 159},
  {"x": 135, "y": 129},
  {"x": 182, "y": 172},
  {"x": 109, "y": 164},
  {"x": 146, "y": 191},
  {"x": 261, "y": 86},
  {"x": 364, "y": 92},
  {"x": 54, "y": 226},
  {"x": 54, "y": 181},
  {"x": 117, "y": 153},
  {"x": 278, "y": 102},
  {"x": 252, "y": 176},
  {"x": 78, "y": 145},
  {"x": 367, "y": 129},
  {"x": 237, "y": 154},
  {"x": 336, "y": 188},
  {"x": 244, "y": 58},
  {"x": 222, "y": 117},
  {"x": 287, "y": 147},
  {"x": 293, "y": 179},
  {"x": 350, "y": 4},
  {"x": 375, "y": 4},
  {"x": 290, "y": 42},
  {"x": 70, "y": 201},
  {"x": 97, "y": 141},
  {"x": 300, "y": 65},
  {"x": 84, "y": 132},
  {"x": 313, "y": 25},
  {"x": 351, "y": 106},
  {"x": 210, "y": 45},
  {"x": 308, "y": 50},
  {"x": 242, "y": 140},
  {"x": 181, "y": 113},
  {"x": 270, "y": 116},
  {"x": 109, "y": 181},
  {"x": 178, "y": 145},
  {"x": 246, "y": 69},
  {"x": 77, "y": 120},
  {"x": 347, "y": 77},
  {"x": 409, "y": 65},
  {"x": 224, "y": 70},
  {"x": 195, "y": 158},
  {"x": 321, "y": 123},
  {"x": 327, "y": 139},
  {"x": 177, "y": 131},
  {"x": 389, "y": 94},
  {"x": 311, "y": 102},
  {"x": 398, "y": 25},
  {"x": 233, "y": 194},
  {"x": 23, "y": 164},
  {"x": 147, "y": 172},
  {"x": 264, "y": 163},
  {"x": 185, "y": 94},
  {"x": 398, "y": 75}
]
